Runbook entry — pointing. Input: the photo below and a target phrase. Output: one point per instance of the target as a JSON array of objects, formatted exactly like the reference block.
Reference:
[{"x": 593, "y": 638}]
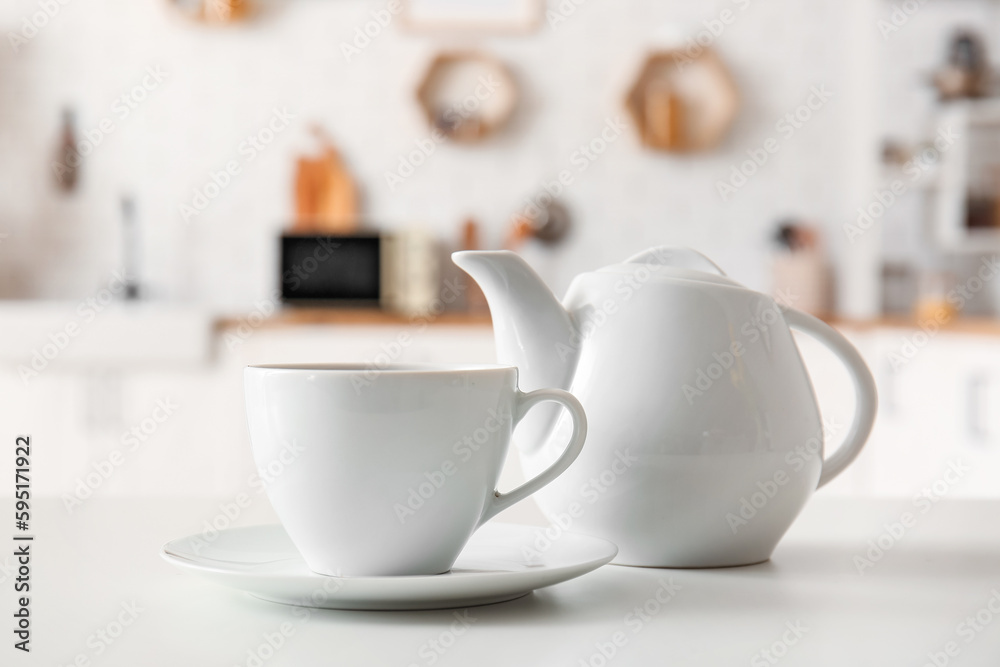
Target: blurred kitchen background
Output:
[{"x": 189, "y": 186}]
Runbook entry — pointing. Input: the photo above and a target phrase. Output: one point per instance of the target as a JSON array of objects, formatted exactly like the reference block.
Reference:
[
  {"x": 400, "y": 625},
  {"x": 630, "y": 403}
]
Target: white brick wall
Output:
[{"x": 223, "y": 84}]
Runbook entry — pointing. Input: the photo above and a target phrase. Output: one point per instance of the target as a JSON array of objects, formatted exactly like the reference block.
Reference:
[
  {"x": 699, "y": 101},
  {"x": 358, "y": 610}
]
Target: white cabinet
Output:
[
  {"x": 973, "y": 431},
  {"x": 939, "y": 410},
  {"x": 918, "y": 410},
  {"x": 939, "y": 405},
  {"x": 181, "y": 430}
]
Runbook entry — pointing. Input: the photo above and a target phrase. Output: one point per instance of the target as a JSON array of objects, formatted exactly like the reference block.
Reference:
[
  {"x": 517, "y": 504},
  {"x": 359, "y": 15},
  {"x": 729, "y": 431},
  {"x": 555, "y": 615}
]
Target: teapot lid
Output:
[{"x": 674, "y": 262}]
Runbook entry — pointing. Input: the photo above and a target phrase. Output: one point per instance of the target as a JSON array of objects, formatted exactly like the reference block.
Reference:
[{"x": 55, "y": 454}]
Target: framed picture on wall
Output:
[{"x": 480, "y": 15}]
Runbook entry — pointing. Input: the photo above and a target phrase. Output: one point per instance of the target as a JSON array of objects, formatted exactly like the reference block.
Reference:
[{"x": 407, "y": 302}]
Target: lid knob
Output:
[{"x": 676, "y": 256}]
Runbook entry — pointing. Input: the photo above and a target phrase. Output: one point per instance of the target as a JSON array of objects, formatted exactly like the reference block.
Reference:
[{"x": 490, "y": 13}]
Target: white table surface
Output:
[{"x": 910, "y": 603}]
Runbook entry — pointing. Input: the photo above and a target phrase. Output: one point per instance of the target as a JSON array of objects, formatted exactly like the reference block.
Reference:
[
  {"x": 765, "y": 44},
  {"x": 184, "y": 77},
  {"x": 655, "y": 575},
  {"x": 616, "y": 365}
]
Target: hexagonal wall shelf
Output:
[
  {"x": 682, "y": 104},
  {"x": 467, "y": 96}
]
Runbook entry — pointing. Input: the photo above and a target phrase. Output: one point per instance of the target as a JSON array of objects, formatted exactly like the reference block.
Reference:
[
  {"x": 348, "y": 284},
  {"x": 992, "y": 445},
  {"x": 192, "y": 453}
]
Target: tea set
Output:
[{"x": 660, "y": 405}]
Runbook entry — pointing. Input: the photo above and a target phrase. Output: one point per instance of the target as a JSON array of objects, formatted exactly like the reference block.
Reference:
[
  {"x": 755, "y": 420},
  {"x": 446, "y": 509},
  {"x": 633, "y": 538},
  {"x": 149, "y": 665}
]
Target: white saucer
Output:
[{"x": 501, "y": 562}]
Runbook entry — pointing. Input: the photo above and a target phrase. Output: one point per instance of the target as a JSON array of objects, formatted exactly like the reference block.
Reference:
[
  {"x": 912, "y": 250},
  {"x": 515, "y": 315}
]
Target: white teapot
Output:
[{"x": 705, "y": 440}]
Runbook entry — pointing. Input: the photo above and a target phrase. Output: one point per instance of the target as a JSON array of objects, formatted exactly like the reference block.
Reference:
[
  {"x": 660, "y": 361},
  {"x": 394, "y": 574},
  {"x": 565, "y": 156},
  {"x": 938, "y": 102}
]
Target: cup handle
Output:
[
  {"x": 498, "y": 502},
  {"x": 864, "y": 390}
]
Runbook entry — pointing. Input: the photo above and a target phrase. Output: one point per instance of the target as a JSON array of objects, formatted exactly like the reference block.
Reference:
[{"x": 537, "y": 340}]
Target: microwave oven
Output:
[{"x": 331, "y": 270}]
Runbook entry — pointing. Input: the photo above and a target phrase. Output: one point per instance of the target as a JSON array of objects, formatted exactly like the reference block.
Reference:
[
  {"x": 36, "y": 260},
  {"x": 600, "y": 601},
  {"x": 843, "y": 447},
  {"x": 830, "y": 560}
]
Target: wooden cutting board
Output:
[{"x": 326, "y": 196}]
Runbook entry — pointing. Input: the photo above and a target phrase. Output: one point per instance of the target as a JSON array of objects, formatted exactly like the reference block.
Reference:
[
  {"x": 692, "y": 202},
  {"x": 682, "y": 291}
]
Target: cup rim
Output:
[{"x": 391, "y": 369}]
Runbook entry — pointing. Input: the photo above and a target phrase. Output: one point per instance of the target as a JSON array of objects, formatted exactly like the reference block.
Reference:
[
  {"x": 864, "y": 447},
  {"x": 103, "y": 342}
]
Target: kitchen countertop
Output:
[
  {"x": 809, "y": 604},
  {"x": 980, "y": 326},
  {"x": 294, "y": 316}
]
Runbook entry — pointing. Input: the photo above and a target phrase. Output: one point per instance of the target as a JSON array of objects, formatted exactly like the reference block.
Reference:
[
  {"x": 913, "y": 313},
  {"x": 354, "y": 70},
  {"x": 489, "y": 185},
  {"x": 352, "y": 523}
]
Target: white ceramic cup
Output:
[{"x": 389, "y": 472}]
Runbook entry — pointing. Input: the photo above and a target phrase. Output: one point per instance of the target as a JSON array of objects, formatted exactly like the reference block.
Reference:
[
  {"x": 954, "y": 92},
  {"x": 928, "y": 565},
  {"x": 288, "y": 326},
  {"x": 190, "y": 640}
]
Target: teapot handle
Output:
[
  {"x": 864, "y": 390},
  {"x": 676, "y": 256}
]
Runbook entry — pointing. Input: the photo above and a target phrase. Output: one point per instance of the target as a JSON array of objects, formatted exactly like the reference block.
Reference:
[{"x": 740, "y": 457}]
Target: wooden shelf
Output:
[
  {"x": 213, "y": 12},
  {"x": 467, "y": 95},
  {"x": 297, "y": 317},
  {"x": 682, "y": 104}
]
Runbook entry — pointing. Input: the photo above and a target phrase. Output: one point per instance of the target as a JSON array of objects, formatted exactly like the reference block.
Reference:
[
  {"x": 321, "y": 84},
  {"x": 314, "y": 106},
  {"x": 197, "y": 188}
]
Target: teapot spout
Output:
[{"x": 532, "y": 329}]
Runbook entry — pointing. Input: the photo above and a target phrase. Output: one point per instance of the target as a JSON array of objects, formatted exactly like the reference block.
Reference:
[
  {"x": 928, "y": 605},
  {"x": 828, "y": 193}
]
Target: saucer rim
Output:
[
  {"x": 187, "y": 563},
  {"x": 405, "y": 593}
]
